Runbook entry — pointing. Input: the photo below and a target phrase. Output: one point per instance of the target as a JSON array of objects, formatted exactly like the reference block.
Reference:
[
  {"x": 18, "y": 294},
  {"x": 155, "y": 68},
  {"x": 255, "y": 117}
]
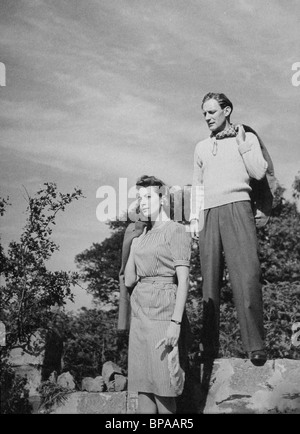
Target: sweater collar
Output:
[{"x": 230, "y": 131}]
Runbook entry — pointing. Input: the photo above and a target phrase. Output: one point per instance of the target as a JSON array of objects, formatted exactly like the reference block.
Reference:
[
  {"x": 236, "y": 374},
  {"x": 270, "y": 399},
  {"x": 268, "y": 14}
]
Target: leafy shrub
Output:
[
  {"x": 52, "y": 394},
  {"x": 14, "y": 395},
  {"x": 281, "y": 310}
]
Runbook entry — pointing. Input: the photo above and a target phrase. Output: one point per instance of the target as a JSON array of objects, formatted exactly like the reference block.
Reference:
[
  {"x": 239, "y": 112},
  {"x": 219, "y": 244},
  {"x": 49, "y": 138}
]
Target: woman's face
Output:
[{"x": 149, "y": 202}]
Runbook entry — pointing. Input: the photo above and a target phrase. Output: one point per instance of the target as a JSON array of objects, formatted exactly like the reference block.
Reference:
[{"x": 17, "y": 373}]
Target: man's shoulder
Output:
[
  {"x": 251, "y": 135},
  {"x": 202, "y": 144}
]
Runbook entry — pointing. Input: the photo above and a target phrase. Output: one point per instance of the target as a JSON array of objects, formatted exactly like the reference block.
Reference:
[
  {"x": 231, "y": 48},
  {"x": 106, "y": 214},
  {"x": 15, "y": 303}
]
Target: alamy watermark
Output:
[
  {"x": 2, "y": 74},
  {"x": 123, "y": 204},
  {"x": 296, "y": 75}
]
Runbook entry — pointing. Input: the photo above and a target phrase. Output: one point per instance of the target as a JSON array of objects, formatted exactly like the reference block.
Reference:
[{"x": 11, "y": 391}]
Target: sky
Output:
[{"x": 99, "y": 90}]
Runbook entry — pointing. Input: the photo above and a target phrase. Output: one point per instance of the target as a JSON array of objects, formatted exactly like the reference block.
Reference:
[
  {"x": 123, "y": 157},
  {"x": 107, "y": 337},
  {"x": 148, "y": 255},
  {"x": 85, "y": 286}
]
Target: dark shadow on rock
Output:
[{"x": 199, "y": 370}]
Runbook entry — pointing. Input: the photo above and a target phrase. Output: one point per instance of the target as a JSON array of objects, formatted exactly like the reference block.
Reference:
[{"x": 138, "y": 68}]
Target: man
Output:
[{"x": 223, "y": 220}]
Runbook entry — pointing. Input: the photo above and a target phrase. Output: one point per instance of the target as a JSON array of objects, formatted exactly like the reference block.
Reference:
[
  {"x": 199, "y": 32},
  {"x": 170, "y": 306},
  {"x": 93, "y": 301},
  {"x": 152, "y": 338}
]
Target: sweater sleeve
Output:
[
  {"x": 251, "y": 153},
  {"x": 197, "y": 191}
]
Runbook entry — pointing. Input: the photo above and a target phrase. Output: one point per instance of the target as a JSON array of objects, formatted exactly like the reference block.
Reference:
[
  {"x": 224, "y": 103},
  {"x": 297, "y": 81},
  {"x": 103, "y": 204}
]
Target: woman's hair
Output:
[
  {"x": 151, "y": 181},
  {"x": 162, "y": 189},
  {"x": 220, "y": 97}
]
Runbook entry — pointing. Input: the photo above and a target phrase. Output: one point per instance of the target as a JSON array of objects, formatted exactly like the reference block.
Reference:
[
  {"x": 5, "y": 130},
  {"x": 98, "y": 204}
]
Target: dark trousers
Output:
[{"x": 231, "y": 229}]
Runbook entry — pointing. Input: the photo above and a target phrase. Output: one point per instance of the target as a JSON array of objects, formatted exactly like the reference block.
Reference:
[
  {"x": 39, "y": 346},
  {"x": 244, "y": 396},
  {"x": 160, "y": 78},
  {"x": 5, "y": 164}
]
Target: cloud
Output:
[{"x": 102, "y": 89}]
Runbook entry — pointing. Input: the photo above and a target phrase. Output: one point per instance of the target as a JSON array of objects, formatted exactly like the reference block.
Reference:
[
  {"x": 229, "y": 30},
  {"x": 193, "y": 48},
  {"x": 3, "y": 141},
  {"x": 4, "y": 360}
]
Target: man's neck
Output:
[{"x": 223, "y": 128}]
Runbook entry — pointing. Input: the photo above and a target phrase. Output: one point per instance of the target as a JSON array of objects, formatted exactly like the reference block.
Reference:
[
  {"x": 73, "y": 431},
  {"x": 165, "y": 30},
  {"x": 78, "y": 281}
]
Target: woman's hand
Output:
[
  {"x": 173, "y": 333},
  {"x": 194, "y": 229},
  {"x": 172, "y": 336}
]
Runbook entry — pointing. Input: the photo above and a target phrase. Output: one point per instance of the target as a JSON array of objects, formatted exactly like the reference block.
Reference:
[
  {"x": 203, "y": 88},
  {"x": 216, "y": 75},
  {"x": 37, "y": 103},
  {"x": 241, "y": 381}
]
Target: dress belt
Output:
[{"x": 166, "y": 279}]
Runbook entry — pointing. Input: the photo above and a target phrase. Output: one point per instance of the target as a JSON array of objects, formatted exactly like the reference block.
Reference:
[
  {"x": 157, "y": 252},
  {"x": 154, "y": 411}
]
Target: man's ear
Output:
[{"x": 227, "y": 111}]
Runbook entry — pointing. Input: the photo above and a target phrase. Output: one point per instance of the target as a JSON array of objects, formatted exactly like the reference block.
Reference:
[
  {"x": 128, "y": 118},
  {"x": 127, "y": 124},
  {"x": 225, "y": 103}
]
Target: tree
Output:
[
  {"x": 100, "y": 265},
  {"x": 91, "y": 339},
  {"x": 30, "y": 290}
]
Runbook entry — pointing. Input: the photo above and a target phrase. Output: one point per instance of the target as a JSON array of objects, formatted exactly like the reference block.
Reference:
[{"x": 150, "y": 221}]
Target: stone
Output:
[
  {"x": 109, "y": 370},
  {"x": 132, "y": 403},
  {"x": 53, "y": 377},
  {"x": 93, "y": 403},
  {"x": 33, "y": 376},
  {"x": 237, "y": 386},
  {"x": 28, "y": 365},
  {"x": 93, "y": 384},
  {"x": 120, "y": 383},
  {"x": 66, "y": 380}
]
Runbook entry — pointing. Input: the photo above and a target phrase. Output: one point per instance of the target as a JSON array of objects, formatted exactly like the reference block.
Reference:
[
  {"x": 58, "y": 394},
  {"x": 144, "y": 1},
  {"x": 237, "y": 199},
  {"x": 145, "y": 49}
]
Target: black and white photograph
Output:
[{"x": 150, "y": 209}]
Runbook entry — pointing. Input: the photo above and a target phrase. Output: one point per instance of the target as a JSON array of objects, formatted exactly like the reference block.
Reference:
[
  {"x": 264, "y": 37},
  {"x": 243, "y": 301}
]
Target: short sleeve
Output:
[{"x": 180, "y": 244}]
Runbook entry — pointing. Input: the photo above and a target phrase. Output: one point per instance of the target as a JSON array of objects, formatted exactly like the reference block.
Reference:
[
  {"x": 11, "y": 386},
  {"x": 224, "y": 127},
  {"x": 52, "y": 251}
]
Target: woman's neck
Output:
[{"x": 160, "y": 220}]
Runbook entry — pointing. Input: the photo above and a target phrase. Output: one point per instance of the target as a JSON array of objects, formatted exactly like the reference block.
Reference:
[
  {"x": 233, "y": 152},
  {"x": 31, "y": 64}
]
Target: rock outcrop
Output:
[
  {"x": 227, "y": 386},
  {"x": 236, "y": 386}
]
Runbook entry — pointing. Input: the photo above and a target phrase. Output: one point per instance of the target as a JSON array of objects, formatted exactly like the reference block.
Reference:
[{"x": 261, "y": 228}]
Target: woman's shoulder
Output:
[{"x": 178, "y": 228}]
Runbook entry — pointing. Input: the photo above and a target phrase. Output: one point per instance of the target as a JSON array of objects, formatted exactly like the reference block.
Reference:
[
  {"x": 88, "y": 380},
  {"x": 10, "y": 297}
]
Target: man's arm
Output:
[
  {"x": 250, "y": 151},
  {"x": 197, "y": 190}
]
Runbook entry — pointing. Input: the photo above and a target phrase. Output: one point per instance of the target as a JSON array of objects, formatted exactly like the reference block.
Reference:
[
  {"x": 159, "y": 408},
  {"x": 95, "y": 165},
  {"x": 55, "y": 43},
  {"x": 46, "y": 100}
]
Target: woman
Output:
[{"x": 158, "y": 266}]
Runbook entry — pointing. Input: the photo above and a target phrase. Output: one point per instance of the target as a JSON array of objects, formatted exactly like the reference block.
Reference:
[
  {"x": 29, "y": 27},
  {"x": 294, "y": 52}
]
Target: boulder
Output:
[
  {"x": 53, "y": 377},
  {"x": 120, "y": 383},
  {"x": 237, "y": 386},
  {"x": 109, "y": 370},
  {"x": 93, "y": 384},
  {"x": 66, "y": 380},
  {"x": 28, "y": 362}
]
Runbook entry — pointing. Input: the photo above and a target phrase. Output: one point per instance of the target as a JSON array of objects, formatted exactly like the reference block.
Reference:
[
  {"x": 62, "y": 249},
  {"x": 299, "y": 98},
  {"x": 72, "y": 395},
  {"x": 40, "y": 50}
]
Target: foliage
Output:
[
  {"x": 296, "y": 187},
  {"x": 281, "y": 311},
  {"x": 91, "y": 339},
  {"x": 100, "y": 265},
  {"x": 52, "y": 394},
  {"x": 14, "y": 395},
  {"x": 30, "y": 290},
  {"x": 279, "y": 244}
]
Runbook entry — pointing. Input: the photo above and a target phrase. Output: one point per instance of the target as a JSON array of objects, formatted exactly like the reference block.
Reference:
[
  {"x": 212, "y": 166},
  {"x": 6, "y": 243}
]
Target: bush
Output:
[
  {"x": 14, "y": 395},
  {"x": 281, "y": 311}
]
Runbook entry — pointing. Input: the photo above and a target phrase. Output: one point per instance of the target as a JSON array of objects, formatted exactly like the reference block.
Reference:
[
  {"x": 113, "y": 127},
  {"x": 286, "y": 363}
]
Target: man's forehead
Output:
[{"x": 211, "y": 104}]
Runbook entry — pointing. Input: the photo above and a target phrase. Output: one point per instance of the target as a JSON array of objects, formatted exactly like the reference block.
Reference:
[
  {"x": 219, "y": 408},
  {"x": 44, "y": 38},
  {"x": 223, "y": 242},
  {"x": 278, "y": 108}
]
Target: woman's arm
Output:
[
  {"x": 173, "y": 331},
  {"x": 130, "y": 275}
]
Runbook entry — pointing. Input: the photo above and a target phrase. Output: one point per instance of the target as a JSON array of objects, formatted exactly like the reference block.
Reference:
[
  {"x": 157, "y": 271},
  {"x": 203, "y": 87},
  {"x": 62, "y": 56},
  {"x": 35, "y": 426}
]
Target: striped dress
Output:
[{"x": 156, "y": 254}]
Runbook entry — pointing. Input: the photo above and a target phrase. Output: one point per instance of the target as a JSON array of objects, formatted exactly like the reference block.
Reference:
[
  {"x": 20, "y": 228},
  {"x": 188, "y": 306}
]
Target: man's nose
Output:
[{"x": 207, "y": 117}]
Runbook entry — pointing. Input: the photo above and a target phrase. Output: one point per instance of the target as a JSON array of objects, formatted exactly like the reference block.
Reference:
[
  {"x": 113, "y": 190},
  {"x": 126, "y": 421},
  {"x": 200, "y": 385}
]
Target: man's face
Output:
[{"x": 217, "y": 118}]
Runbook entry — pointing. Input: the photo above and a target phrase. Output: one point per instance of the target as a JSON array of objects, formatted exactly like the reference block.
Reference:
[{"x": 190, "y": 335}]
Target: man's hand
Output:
[
  {"x": 241, "y": 135},
  {"x": 194, "y": 229}
]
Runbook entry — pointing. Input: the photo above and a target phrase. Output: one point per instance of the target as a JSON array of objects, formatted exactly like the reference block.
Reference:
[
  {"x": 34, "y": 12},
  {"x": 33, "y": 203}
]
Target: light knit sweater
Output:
[{"x": 224, "y": 177}]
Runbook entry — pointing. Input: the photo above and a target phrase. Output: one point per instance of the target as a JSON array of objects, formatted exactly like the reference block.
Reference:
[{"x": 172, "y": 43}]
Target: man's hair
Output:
[{"x": 220, "y": 98}]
